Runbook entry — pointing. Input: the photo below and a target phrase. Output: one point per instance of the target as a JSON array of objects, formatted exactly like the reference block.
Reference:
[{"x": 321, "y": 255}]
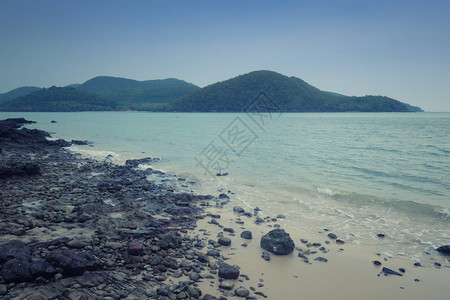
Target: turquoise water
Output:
[{"x": 356, "y": 173}]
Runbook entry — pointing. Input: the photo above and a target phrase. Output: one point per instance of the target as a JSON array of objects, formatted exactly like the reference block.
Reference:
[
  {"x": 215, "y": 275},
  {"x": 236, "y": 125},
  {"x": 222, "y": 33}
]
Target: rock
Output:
[
  {"x": 417, "y": 264},
  {"x": 76, "y": 244},
  {"x": 241, "y": 292},
  {"x": 227, "y": 229},
  {"x": 209, "y": 297},
  {"x": 193, "y": 292},
  {"x": 259, "y": 220},
  {"x": 227, "y": 271},
  {"x": 402, "y": 270},
  {"x": 16, "y": 270},
  {"x": 381, "y": 235},
  {"x": 42, "y": 268},
  {"x": 194, "y": 276},
  {"x": 376, "y": 263},
  {"x": 73, "y": 263},
  {"x": 3, "y": 289},
  {"x": 387, "y": 271},
  {"x": 265, "y": 255},
  {"x": 224, "y": 196},
  {"x": 322, "y": 259},
  {"x": 246, "y": 235},
  {"x": 227, "y": 285},
  {"x": 135, "y": 248},
  {"x": 281, "y": 217},
  {"x": 277, "y": 241},
  {"x": 213, "y": 253},
  {"x": 444, "y": 250},
  {"x": 332, "y": 236},
  {"x": 224, "y": 241},
  {"x": 238, "y": 209},
  {"x": 14, "y": 249}
]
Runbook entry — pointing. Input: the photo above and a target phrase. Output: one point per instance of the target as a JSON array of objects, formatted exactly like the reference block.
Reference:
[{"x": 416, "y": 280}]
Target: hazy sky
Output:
[{"x": 399, "y": 49}]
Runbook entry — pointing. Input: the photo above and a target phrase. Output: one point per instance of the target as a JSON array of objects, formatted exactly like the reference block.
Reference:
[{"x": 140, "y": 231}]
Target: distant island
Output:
[{"x": 103, "y": 93}]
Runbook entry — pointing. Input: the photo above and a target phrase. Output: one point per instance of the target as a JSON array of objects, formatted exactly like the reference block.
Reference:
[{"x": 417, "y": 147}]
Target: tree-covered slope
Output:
[
  {"x": 290, "y": 94},
  {"x": 19, "y": 92},
  {"x": 57, "y": 99},
  {"x": 128, "y": 91}
]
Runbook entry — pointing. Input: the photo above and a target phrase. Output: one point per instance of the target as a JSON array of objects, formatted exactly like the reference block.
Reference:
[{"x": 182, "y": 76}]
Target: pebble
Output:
[{"x": 241, "y": 292}]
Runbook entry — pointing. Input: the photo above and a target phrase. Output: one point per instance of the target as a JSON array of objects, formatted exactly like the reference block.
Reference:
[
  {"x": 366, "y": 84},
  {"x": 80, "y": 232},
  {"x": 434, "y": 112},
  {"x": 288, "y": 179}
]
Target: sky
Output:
[{"x": 399, "y": 49}]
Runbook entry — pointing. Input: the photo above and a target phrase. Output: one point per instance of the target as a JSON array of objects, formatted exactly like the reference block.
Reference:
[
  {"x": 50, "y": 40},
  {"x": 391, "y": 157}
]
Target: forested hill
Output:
[
  {"x": 289, "y": 94},
  {"x": 19, "y": 92},
  {"x": 128, "y": 91},
  {"x": 58, "y": 99}
]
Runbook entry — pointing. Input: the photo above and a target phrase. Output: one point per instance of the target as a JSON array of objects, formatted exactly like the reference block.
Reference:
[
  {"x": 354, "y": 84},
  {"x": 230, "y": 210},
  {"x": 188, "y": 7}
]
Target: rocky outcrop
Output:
[{"x": 278, "y": 242}]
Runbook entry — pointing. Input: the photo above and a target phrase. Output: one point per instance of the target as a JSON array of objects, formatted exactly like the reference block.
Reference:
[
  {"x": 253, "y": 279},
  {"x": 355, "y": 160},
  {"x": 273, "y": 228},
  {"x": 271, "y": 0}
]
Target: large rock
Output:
[
  {"x": 278, "y": 242},
  {"x": 444, "y": 250},
  {"x": 14, "y": 249},
  {"x": 16, "y": 270},
  {"x": 227, "y": 271},
  {"x": 73, "y": 263}
]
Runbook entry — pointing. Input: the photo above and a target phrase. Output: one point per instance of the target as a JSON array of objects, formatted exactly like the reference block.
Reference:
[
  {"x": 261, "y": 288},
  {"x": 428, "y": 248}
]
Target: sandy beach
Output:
[{"x": 78, "y": 228}]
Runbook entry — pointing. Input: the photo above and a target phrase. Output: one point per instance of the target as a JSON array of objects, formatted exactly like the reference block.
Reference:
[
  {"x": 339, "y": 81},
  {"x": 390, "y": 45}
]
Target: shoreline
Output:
[{"x": 149, "y": 241}]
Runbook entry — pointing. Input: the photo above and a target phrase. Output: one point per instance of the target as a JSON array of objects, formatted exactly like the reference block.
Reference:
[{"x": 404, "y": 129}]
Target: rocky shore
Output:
[{"x": 77, "y": 228}]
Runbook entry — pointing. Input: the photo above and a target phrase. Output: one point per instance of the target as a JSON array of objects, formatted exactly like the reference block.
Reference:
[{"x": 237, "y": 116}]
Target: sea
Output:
[{"x": 356, "y": 174}]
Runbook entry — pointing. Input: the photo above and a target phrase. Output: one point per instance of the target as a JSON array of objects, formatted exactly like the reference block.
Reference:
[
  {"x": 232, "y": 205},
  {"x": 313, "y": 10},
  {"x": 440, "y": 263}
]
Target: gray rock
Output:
[
  {"x": 278, "y": 242},
  {"x": 227, "y": 271},
  {"x": 241, "y": 292},
  {"x": 332, "y": 236},
  {"x": 322, "y": 259},
  {"x": 14, "y": 249},
  {"x": 238, "y": 209},
  {"x": 3, "y": 289},
  {"x": 194, "y": 276},
  {"x": 387, "y": 271},
  {"x": 265, "y": 255},
  {"x": 42, "y": 268},
  {"x": 224, "y": 241},
  {"x": 246, "y": 235},
  {"x": 227, "y": 285},
  {"x": 16, "y": 270}
]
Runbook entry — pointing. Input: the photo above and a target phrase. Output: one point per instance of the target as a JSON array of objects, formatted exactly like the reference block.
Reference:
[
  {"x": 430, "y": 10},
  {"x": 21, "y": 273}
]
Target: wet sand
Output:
[{"x": 348, "y": 274}]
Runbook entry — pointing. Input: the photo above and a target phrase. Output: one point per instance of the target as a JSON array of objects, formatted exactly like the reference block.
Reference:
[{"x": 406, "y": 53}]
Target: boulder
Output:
[
  {"x": 278, "y": 242},
  {"x": 246, "y": 235},
  {"x": 224, "y": 241},
  {"x": 444, "y": 250},
  {"x": 16, "y": 270},
  {"x": 227, "y": 271},
  {"x": 14, "y": 249},
  {"x": 73, "y": 263}
]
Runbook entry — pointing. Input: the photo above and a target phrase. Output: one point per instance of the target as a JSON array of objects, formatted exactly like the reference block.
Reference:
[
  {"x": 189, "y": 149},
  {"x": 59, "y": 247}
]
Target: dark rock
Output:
[
  {"x": 304, "y": 241},
  {"x": 437, "y": 265},
  {"x": 246, "y": 235},
  {"x": 16, "y": 270},
  {"x": 278, "y": 242},
  {"x": 194, "y": 276},
  {"x": 387, "y": 271},
  {"x": 402, "y": 270},
  {"x": 444, "y": 250},
  {"x": 230, "y": 230},
  {"x": 19, "y": 169},
  {"x": 135, "y": 248},
  {"x": 238, "y": 209},
  {"x": 340, "y": 242},
  {"x": 332, "y": 236},
  {"x": 73, "y": 263},
  {"x": 376, "y": 263},
  {"x": 14, "y": 249},
  {"x": 259, "y": 220},
  {"x": 134, "y": 163},
  {"x": 281, "y": 217},
  {"x": 209, "y": 297},
  {"x": 227, "y": 271},
  {"x": 322, "y": 259},
  {"x": 224, "y": 196},
  {"x": 42, "y": 268},
  {"x": 381, "y": 235},
  {"x": 241, "y": 292},
  {"x": 417, "y": 264},
  {"x": 265, "y": 255},
  {"x": 213, "y": 253},
  {"x": 224, "y": 241}
]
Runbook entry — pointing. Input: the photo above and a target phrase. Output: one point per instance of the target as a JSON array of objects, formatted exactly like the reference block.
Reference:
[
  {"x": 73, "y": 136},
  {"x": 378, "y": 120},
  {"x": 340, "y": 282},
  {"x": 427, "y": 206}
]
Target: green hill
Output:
[
  {"x": 19, "y": 92},
  {"x": 57, "y": 99},
  {"x": 290, "y": 94},
  {"x": 138, "y": 95}
]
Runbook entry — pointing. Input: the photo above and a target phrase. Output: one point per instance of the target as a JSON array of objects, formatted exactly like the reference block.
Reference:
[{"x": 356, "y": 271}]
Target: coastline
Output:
[{"x": 150, "y": 241}]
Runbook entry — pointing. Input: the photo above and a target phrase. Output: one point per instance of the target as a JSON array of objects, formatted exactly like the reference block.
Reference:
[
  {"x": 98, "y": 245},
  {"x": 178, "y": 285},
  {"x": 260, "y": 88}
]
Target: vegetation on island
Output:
[{"x": 103, "y": 93}]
